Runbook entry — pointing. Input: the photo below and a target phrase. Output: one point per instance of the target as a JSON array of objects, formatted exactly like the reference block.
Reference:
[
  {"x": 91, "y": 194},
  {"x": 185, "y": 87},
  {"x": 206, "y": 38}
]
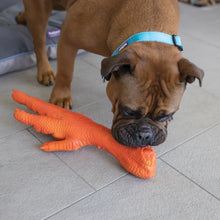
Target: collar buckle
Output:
[{"x": 175, "y": 43}]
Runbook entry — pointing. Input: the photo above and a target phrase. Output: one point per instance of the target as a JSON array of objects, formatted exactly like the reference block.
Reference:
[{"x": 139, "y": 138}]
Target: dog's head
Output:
[{"x": 145, "y": 88}]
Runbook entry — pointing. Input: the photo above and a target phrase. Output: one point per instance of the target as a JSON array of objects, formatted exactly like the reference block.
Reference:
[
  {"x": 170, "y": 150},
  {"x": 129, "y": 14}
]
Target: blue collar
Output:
[{"x": 151, "y": 36}]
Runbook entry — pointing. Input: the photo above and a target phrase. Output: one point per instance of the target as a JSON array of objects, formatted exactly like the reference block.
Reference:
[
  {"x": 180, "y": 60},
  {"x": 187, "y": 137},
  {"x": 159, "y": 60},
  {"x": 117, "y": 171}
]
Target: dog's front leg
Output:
[{"x": 66, "y": 53}]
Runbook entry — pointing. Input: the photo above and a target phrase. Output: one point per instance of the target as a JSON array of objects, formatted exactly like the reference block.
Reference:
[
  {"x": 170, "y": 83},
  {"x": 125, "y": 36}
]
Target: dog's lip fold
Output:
[{"x": 123, "y": 136}]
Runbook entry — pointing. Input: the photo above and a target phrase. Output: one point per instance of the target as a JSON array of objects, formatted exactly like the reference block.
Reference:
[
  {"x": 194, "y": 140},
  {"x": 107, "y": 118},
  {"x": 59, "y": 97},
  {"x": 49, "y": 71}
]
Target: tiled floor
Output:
[{"x": 90, "y": 183}]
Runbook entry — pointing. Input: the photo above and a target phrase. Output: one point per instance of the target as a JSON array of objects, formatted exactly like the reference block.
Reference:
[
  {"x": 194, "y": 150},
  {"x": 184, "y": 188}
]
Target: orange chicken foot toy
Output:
[{"x": 73, "y": 131}]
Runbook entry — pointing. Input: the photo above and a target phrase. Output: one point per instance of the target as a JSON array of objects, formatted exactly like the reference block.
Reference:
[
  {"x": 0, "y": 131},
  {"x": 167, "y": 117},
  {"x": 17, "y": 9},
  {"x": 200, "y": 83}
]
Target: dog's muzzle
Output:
[{"x": 139, "y": 134}]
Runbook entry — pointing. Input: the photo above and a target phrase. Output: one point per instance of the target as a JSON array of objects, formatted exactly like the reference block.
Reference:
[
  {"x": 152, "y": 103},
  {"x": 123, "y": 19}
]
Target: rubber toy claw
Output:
[{"x": 74, "y": 130}]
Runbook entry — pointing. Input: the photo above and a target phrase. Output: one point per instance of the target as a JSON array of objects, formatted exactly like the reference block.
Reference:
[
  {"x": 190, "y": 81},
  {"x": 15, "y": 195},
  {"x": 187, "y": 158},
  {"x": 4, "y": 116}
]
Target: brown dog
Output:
[{"x": 147, "y": 79}]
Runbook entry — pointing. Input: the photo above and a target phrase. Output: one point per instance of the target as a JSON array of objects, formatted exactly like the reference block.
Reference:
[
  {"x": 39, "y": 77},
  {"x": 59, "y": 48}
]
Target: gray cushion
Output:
[
  {"x": 6, "y": 3},
  {"x": 16, "y": 44}
]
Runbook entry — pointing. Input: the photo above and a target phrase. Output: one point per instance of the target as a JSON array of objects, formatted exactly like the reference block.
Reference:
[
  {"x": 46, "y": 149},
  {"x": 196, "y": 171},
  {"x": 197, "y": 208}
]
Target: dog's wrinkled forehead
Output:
[{"x": 150, "y": 93}]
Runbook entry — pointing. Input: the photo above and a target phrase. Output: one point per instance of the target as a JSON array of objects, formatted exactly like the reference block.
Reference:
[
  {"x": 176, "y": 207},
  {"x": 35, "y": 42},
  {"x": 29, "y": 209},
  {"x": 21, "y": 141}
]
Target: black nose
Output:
[{"x": 144, "y": 137}]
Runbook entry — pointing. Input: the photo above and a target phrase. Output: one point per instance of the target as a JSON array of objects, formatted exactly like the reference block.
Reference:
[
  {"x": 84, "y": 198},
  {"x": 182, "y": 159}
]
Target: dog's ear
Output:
[
  {"x": 189, "y": 71},
  {"x": 127, "y": 59}
]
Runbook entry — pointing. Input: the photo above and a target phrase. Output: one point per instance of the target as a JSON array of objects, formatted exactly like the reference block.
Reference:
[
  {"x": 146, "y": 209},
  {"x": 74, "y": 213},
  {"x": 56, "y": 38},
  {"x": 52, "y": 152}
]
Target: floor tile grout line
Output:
[
  {"x": 189, "y": 139},
  {"x": 66, "y": 207},
  {"x": 35, "y": 136},
  {"x": 94, "y": 189},
  {"x": 16, "y": 132},
  {"x": 191, "y": 180},
  {"x": 113, "y": 181},
  {"x": 84, "y": 197},
  {"x": 65, "y": 163}
]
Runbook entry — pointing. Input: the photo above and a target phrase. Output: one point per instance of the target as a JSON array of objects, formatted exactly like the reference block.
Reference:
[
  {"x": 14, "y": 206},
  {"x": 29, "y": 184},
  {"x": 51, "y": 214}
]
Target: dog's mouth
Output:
[{"x": 139, "y": 134}]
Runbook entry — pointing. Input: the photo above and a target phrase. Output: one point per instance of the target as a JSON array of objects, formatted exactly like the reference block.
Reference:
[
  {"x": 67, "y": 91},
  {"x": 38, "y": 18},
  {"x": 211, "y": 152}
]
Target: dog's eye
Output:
[
  {"x": 130, "y": 113},
  {"x": 163, "y": 118}
]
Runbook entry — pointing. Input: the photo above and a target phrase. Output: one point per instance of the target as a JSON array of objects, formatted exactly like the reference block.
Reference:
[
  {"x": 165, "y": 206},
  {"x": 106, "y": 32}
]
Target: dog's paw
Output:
[
  {"x": 61, "y": 97},
  {"x": 46, "y": 78},
  {"x": 66, "y": 102}
]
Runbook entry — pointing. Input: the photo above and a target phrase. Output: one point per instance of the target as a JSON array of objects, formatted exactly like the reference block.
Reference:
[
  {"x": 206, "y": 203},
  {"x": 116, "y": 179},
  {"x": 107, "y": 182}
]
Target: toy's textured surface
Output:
[{"x": 74, "y": 130}]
